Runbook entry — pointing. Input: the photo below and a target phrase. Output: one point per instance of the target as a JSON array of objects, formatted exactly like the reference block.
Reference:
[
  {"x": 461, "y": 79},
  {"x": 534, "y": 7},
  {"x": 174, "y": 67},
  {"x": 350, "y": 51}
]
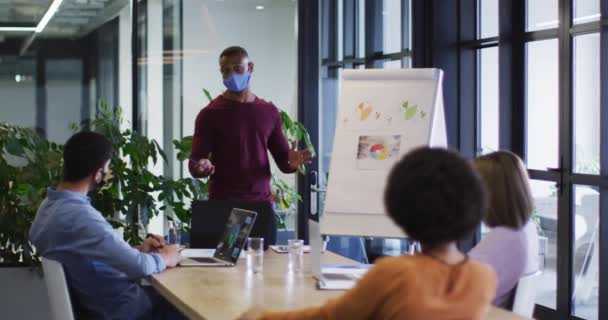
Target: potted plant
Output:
[
  {"x": 132, "y": 187},
  {"x": 28, "y": 165}
]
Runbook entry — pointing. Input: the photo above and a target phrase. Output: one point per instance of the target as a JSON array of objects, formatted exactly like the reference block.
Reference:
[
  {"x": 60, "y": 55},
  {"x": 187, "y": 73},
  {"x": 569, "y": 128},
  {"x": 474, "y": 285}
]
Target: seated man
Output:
[{"x": 102, "y": 270}]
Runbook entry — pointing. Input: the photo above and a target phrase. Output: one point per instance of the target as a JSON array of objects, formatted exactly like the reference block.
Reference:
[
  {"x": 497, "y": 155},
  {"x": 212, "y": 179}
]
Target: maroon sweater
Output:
[{"x": 238, "y": 136}]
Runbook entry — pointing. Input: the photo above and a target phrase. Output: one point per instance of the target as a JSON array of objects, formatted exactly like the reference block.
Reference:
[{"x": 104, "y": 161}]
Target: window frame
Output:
[
  {"x": 374, "y": 54},
  {"x": 511, "y": 42}
]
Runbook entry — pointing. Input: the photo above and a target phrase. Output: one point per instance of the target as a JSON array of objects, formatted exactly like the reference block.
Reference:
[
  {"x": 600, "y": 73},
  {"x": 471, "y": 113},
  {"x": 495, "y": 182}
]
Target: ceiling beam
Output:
[
  {"x": 110, "y": 12},
  {"x": 69, "y": 21},
  {"x": 18, "y": 24},
  {"x": 10, "y": 46}
]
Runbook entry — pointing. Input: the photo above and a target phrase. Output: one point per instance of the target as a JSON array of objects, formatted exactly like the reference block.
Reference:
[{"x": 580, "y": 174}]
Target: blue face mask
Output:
[{"x": 237, "y": 82}]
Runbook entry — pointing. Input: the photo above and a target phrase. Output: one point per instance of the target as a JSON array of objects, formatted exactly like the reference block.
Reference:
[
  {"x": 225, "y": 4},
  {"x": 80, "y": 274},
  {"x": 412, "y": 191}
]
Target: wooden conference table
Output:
[{"x": 225, "y": 293}]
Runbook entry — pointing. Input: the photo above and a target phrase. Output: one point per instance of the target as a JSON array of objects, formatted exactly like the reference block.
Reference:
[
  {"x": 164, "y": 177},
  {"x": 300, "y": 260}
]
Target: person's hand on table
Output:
[
  {"x": 170, "y": 255},
  {"x": 251, "y": 314},
  {"x": 152, "y": 243},
  {"x": 298, "y": 158}
]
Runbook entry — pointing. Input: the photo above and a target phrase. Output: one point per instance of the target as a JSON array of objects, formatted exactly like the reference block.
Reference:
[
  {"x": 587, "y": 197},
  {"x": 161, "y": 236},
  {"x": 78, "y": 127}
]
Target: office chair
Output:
[
  {"x": 525, "y": 295},
  {"x": 57, "y": 290}
]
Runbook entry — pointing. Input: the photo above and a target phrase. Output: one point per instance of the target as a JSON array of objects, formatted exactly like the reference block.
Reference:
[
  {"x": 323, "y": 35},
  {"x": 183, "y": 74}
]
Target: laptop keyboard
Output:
[{"x": 205, "y": 260}]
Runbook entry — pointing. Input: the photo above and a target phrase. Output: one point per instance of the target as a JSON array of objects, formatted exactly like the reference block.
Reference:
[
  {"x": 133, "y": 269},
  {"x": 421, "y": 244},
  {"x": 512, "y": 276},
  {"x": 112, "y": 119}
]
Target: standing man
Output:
[{"x": 234, "y": 133}]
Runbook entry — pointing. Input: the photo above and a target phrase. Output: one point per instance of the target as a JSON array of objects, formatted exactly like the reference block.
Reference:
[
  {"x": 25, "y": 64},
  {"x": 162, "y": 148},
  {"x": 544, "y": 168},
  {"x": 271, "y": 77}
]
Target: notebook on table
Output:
[{"x": 334, "y": 276}]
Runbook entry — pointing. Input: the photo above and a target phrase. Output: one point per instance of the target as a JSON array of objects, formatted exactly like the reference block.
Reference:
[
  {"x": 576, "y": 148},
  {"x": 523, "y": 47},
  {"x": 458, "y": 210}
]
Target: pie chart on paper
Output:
[{"x": 379, "y": 152}]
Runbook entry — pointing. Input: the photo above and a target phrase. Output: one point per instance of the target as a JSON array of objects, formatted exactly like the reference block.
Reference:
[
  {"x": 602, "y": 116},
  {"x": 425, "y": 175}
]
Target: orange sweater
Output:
[{"x": 410, "y": 287}]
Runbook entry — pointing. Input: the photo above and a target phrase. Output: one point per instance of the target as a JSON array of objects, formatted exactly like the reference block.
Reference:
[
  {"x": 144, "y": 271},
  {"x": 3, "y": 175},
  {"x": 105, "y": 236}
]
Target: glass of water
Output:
[
  {"x": 296, "y": 255},
  {"x": 174, "y": 232},
  {"x": 255, "y": 254}
]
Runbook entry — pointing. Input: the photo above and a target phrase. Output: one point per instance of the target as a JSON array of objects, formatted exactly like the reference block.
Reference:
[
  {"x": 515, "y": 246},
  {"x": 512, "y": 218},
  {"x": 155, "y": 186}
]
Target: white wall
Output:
[
  {"x": 268, "y": 35},
  {"x": 18, "y": 103},
  {"x": 64, "y": 98},
  {"x": 124, "y": 66},
  {"x": 155, "y": 110}
]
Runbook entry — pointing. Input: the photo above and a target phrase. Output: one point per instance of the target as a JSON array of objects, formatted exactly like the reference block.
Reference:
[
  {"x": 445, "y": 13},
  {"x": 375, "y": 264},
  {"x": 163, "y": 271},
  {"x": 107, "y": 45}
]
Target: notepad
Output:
[{"x": 341, "y": 276}]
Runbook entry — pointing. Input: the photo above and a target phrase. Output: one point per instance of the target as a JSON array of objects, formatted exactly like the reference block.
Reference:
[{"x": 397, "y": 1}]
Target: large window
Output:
[
  {"x": 537, "y": 90},
  {"x": 542, "y": 69},
  {"x": 488, "y": 99},
  {"x": 542, "y": 152},
  {"x": 486, "y": 48},
  {"x": 52, "y": 79}
]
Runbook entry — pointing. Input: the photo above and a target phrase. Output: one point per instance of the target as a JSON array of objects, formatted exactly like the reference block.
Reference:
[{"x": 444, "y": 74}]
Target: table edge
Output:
[{"x": 174, "y": 300}]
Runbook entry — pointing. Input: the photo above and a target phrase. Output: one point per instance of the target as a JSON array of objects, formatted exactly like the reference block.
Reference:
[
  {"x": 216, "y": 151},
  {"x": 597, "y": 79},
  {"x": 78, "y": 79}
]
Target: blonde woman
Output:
[{"x": 511, "y": 245}]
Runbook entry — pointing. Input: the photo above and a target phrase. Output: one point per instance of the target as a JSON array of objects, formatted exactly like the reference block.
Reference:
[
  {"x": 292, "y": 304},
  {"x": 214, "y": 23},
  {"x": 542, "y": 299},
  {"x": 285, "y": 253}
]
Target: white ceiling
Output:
[{"x": 74, "y": 18}]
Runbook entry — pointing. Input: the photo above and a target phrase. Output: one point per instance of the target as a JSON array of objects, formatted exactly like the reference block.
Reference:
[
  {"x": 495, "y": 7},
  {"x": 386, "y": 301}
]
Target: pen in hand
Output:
[
  {"x": 204, "y": 165},
  {"x": 196, "y": 162}
]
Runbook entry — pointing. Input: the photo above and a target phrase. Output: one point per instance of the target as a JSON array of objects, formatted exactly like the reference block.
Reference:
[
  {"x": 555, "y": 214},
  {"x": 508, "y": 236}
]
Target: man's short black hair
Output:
[
  {"x": 84, "y": 154},
  {"x": 435, "y": 196},
  {"x": 234, "y": 50}
]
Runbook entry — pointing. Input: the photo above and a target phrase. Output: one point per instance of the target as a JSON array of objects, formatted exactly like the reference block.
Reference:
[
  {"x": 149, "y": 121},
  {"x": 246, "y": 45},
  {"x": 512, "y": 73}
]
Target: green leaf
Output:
[
  {"x": 160, "y": 150},
  {"x": 207, "y": 94},
  {"x": 74, "y": 127},
  {"x": 184, "y": 146},
  {"x": 14, "y": 147},
  {"x": 288, "y": 124},
  {"x": 23, "y": 189},
  {"x": 309, "y": 145}
]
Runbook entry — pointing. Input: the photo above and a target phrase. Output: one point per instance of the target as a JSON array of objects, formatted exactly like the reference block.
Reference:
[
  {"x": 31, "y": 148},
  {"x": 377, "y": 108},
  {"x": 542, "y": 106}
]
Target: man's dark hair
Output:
[
  {"x": 435, "y": 196},
  {"x": 234, "y": 50},
  {"x": 84, "y": 154}
]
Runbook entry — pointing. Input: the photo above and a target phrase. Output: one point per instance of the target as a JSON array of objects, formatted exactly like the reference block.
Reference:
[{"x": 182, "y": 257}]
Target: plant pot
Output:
[{"x": 23, "y": 294}]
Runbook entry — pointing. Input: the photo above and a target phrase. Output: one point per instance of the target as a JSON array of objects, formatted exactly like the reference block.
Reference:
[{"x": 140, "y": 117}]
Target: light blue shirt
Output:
[{"x": 101, "y": 268}]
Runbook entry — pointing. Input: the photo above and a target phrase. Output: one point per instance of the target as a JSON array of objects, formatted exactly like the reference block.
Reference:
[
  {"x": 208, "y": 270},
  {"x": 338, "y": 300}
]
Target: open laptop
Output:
[
  {"x": 228, "y": 250},
  {"x": 209, "y": 218}
]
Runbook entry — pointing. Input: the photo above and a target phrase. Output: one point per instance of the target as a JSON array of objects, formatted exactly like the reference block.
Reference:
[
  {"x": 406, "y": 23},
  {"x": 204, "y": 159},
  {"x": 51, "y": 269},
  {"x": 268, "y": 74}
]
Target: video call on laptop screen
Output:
[{"x": 235, "y": 234}]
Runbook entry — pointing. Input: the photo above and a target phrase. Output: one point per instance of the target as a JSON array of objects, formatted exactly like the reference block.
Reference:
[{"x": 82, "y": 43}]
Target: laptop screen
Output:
[
  {"x": 235, "y": 234},
  {"x": 209, "y": 218}
]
